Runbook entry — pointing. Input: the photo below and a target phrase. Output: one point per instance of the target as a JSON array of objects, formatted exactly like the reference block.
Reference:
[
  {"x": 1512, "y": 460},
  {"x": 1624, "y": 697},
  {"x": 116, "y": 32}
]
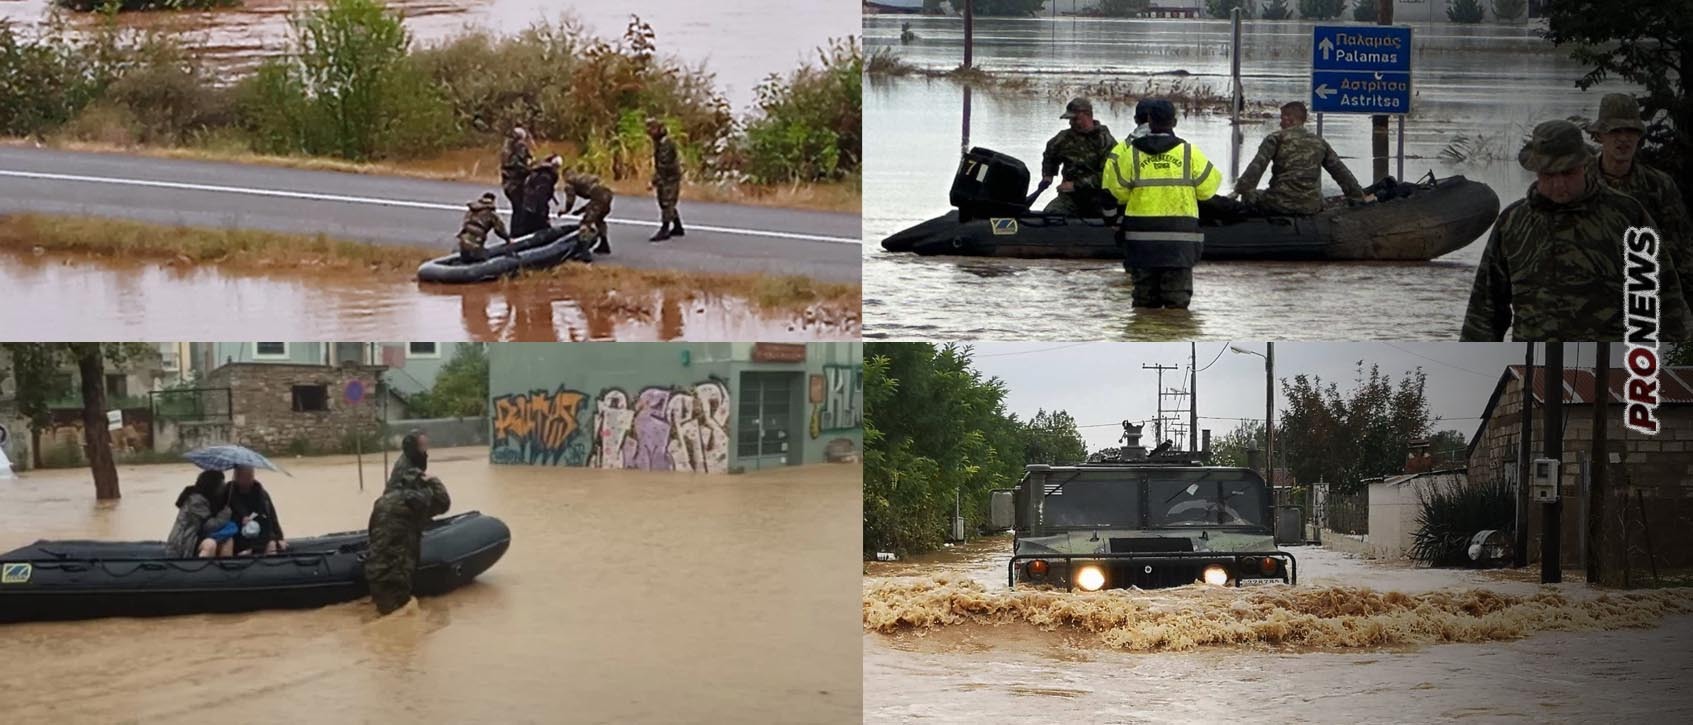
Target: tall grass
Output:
[{"x": 1448, "y": 515}]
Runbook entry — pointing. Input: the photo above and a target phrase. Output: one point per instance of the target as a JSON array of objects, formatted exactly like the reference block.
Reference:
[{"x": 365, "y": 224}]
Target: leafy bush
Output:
[
  {"x": 1221, "y": 8},
  {"x": 1321, "y": 9},
  {"x": 127, "y": 5},
  {"x": 1123, "y": 8},
  {"x": 1449, "y": 515},
  {"x": 460, "y": 389},
  {"x": 1276, "y": 10},
  {"x": 1003, "y": 8},
  {"x": 1509, "y": 9},
  {"x": 1465, "y": 11},
  {"x": 807, "y": 127}
]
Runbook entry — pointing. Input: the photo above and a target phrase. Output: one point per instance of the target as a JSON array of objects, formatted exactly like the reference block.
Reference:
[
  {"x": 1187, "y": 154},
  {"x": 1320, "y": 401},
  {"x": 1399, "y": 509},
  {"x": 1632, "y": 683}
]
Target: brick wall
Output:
[
  {"x": 264, "y": 416},
  {"x": 1659, "y": 468}
]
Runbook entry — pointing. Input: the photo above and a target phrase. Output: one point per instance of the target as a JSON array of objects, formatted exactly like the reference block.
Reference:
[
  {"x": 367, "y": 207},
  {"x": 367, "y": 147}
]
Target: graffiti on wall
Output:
[
  {"x": 664, "y": 428},
  {"x": 540, "y": 428},
  {"x": 669, "y": 428},
  {"x": 837, "y": 399}
]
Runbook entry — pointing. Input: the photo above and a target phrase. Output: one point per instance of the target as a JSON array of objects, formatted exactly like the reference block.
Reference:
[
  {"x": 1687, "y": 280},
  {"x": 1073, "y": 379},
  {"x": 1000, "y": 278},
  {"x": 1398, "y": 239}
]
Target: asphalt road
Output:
[{"x": 399, "y": 210}]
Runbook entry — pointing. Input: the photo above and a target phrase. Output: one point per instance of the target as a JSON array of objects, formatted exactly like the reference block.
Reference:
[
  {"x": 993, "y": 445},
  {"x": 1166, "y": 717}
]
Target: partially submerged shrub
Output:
[
  {"x": 808, "y": 127},
  {"x": 1450, "y": 514}
]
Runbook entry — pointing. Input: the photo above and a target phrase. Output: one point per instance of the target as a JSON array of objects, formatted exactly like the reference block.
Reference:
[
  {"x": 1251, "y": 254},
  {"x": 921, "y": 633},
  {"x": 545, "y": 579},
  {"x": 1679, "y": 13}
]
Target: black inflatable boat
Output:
[
  {"x": 51, "y": 580},
  {"x": 1409, "y": 222},
  {"x": 546, "y": 248}
]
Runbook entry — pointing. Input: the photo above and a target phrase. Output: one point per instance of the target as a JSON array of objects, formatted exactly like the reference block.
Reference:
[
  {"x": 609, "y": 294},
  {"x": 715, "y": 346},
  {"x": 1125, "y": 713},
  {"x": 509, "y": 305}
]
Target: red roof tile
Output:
[{"x": 1675, "y": 385}]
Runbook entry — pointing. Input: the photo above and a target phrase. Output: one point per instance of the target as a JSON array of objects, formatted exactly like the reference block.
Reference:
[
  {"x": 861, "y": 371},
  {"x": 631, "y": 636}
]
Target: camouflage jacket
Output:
[
  {"x": 418, "y": 492},
  {"x": 1554, "y": 272},
  {"x": 1296, "y": 159},
  {"x": 580, "y": 185},
  {"x": 667, "y": 163},
  {"x": 1082, "y": 155},
  {"x": 1658, "y": 192},
  {"x": 514, "y": 161},
  {"x": 480, "y": 219}
]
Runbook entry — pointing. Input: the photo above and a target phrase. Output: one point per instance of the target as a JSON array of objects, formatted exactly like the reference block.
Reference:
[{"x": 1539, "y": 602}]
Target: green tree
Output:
[
  {"x": 460, "y": 389},
  {"x": 1345, "y": 438},
  {"x": 1509, "y": 9},
  {"x": 1643, "y": 42},
  {"x": 1448, "y": 448},
  {"x": 1364, "y": 11},
  {"x": 1003, "y": 8},
  {"x": 1123, "y": 8},
  {"x": 1052, "y": 438},
  {"x": 38, "y": 374},
  {"x": 1221, "y": 8},
  {"x": 1321, "y": 9},
  {"x": 1276, "y": 10},
  {"x": 1231, "y": 449},
  {"x": 1679, "y": 353},
  {"x": 1465, "y": 11}
]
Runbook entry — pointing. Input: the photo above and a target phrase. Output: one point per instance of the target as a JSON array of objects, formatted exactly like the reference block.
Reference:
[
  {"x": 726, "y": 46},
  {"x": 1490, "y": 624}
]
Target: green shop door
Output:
[{"x": 768, "y": 427}]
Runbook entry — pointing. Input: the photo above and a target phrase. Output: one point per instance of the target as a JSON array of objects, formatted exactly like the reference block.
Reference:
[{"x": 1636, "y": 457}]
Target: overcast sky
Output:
[{"x": 1102, "y": 383}]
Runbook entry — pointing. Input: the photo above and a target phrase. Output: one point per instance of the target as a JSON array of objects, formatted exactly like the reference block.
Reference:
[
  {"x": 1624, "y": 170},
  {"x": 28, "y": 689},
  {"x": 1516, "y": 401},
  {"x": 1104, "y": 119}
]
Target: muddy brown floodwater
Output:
[
  {"x": 1356, "y": 641},
  {"x": 626, "y": 597},
  {"x": 154, "y": 301}
]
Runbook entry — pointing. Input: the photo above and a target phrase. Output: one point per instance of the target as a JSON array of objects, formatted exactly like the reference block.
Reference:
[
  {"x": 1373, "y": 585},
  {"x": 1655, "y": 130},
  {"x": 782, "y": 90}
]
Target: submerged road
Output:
[{"x": 401, "y": 210}]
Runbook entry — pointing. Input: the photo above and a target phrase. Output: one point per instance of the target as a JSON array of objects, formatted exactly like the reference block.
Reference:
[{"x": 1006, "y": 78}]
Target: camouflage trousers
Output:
[
  {"x": 1162, "y": 286},
  {"x": 471, "y": 250},
  {"x": 513, "y": 189},
  {"x": 1260, "y": 202},
  {"x": 395, "y": 540},
  {"x": 595, "y": 212},
  {"x": 1069, "y": 204},
  {"x": 668, "y": 192}
]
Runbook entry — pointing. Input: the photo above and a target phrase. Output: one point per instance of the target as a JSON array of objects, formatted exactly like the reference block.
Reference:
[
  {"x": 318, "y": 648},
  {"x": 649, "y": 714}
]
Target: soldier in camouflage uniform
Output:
[
  {"x": 1619, "y": 130},
  {"x": 514, "y": 165},
  {"x": 1296, "y": 158},
  {"x": 1553, "y": 270},
  {"x": 667, "y": 180},
  {"x": 594, "y": 212},
  {"x": 408, "y": 502},
  {"x": 540, "y": 191},
  {"x": 479, "y": 219},
  {"x": 1081, "y": 150}
]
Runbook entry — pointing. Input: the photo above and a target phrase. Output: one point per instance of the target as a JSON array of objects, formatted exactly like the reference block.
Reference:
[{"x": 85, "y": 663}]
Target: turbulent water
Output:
[
  {"x": 626, "y": 596},
  {"x": 741, "y": 42},
  {"x": 145, "y": 301},
  {"x": 1355, "y": 641},
  {"x": 1489, "y": 83}
]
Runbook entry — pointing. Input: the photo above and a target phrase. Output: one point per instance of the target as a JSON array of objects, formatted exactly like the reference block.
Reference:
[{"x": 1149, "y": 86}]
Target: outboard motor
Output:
[{"x": 990, "y": 184}]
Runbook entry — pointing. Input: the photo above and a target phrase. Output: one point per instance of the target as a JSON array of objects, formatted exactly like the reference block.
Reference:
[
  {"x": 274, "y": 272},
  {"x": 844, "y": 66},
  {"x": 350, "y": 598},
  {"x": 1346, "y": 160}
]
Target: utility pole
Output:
[
  {"x": 1378, "y": 122},
  {"x": 969, "y": 48},
  {"x": 1551, "y": 514},
  {"x": 1193, "y": 396},
  {"x": 1158, "y": 422},
  {"x": 1596, "y": 492},
  {"x": 1270, "y": 408},
  {"x": 1525, "y": 451}
]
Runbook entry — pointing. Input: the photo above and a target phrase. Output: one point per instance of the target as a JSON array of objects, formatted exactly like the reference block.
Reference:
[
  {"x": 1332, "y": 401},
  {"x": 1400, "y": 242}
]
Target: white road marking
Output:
[{"x": 388, "y": 202}]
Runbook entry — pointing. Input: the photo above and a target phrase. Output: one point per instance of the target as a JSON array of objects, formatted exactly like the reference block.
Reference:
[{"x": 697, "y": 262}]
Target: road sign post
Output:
[
  {"x": 354, "y": 394},
  {"x": 1362, "y": 69}
]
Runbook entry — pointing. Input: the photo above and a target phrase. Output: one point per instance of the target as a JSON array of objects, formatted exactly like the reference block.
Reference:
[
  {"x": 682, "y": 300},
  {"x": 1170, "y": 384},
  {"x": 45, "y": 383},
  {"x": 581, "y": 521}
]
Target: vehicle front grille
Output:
[
  {"x": 1164, "y": 575},
  {"x": 1151, "y": 544}
]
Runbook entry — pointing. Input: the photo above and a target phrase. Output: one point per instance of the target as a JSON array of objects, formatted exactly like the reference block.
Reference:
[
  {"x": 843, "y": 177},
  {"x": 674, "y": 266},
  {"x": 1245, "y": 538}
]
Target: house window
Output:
[
  {"x": 270, "y": 351},
  {"x": 117, "y": 386},
  {"x": 422, "y": 349},
  {"x": 311, "y": 398}
]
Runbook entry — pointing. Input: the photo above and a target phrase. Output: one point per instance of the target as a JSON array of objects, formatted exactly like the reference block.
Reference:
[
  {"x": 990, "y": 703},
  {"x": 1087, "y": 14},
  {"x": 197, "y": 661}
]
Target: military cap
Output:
[
  {"x": 1554, "y": 147},
  {"x": 1077, "y": 105}
]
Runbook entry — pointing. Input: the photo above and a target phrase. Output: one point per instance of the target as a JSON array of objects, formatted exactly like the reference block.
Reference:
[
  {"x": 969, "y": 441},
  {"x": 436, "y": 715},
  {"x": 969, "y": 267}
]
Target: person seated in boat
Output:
[
  {"x": 540, "y": 192},
  {"x": 598, "y": 196},
  {"x": 1296, "y": 158},
  {"x": 479, "y": 219},
  {"x": 397, "y": 520},
  {"x": 204, "y": 526},
  {"x": 1077, "y": 153},
  {"x": 260, "y": 529}
]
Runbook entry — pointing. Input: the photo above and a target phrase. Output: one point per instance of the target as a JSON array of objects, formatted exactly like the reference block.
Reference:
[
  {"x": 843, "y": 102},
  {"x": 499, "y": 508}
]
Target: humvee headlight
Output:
[
  {"x": 1037, "y": 567},
  {"x": 1090, "y": 578},
  {"x": 1268, "y": 566},
  {"x": 1216, "y": 575}
]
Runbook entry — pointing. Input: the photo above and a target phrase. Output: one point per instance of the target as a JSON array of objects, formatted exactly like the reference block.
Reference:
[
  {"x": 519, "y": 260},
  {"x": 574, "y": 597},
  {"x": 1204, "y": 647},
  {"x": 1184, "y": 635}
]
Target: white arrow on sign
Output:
[
  {"x": 1326, "y": 46},
  {"x": 1323, "y": 91}
]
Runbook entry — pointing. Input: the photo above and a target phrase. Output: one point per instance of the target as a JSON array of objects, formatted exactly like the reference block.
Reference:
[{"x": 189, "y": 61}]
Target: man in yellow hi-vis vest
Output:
[{"x": 1160, "y": 180}]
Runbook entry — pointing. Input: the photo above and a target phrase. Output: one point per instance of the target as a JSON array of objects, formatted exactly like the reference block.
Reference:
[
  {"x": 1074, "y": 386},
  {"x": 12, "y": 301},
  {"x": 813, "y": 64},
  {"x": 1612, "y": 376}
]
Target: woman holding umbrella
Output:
[{"x": 250, "y": 505}]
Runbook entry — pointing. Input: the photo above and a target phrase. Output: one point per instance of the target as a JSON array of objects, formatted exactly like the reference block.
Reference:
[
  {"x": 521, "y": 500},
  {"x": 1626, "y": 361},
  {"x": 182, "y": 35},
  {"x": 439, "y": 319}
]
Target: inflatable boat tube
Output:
[
  {"x": 547, "y": 248},
  {"x": 62, "y": 580}
]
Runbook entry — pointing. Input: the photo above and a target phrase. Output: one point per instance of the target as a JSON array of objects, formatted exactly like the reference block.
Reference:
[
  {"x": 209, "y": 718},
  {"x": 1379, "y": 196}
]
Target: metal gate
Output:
[{"x": 765, "y": 432}]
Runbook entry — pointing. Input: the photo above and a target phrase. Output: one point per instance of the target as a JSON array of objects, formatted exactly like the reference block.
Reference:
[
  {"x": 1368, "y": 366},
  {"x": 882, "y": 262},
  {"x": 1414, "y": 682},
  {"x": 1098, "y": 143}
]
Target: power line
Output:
[
  {"x": 1493, "y": 376},
  {"x": 1219, "y": 356},
  {"x": 1031, "y": 352}
]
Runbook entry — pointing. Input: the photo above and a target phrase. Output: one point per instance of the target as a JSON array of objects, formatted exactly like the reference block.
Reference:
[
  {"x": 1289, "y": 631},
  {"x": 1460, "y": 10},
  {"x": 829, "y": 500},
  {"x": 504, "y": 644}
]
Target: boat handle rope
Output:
[{"x": 227, "y": 564}]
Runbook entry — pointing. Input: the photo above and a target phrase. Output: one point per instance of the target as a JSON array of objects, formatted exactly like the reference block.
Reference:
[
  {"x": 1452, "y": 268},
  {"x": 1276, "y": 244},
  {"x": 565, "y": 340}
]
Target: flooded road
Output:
[
  {"x": 1356, "y": 641},
  {"x": 741, "y": 42},
  {"x": 625, "y": 597},
  {"x": 151, "y": 301},
  {"x": 1489, "y": 82}
]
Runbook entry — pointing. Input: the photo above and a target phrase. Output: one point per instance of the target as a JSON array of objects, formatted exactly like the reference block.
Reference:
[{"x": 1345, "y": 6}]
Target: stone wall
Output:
[
  {"x": 264, "y": 417},
  {"x": 1659, "y": 468}
]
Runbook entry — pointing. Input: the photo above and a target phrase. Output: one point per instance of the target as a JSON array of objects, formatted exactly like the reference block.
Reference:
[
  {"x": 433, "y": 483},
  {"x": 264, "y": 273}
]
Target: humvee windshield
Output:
[{"x": 1112, "y": 499}]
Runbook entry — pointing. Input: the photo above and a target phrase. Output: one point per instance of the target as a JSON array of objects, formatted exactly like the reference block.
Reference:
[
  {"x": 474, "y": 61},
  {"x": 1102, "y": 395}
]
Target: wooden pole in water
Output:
[
  {"x": 1519, "y": 557},
  {"x": 1551, "y": 514},
  {"x": 969, "y": 49},
  {"x": 1596, "y": 492},
  {"x": 1378, "y": 123},
  {"x": 1237, "y": 99}
]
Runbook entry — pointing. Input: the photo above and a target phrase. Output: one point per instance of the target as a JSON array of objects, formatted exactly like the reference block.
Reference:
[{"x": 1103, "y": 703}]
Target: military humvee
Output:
[{"x": 1131, "y": 519}]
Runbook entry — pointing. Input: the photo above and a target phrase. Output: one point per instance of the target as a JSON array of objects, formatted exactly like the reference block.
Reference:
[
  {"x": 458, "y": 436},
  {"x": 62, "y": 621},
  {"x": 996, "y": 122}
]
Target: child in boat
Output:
[{"x": 203, "y": 523}]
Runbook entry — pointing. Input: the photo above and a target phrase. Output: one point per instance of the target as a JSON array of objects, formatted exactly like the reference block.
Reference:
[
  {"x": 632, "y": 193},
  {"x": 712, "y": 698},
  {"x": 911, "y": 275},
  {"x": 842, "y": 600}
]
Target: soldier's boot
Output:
[
  {"x": 677, "y": 230},
  {"x": 604, "y": 245},
  {"x": 663, "y": 233}
]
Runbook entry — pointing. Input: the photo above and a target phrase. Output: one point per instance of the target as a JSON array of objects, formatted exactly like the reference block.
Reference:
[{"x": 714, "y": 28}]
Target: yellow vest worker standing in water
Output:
[{"x": 1160, "y": 180}]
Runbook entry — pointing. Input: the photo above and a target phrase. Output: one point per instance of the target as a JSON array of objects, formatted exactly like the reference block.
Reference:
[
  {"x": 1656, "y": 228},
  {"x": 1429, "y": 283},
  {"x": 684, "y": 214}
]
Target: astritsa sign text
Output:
[{"x": 1361, "y": 69}]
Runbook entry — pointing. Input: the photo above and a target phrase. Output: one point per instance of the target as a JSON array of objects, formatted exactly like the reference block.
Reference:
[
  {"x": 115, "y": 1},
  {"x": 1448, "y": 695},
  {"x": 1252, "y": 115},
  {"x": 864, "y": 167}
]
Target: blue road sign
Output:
[
  {"x": 355, "y": 391},
  {"x": 1361, "y": 69}
]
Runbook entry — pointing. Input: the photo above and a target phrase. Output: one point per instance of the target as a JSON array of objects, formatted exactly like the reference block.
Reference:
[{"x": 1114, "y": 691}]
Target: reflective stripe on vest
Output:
[{"x": 1186, "y": 179}]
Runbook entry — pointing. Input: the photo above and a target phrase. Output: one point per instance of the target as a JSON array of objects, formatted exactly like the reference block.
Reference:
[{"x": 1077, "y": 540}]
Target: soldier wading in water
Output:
[{"x": 411, "y": 498}]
